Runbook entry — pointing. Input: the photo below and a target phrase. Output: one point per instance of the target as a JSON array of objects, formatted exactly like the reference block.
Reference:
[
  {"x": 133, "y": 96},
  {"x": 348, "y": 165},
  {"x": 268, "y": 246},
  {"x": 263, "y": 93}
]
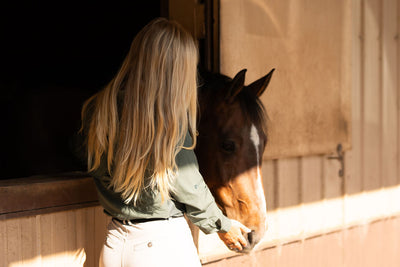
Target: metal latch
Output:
[{"x": 340, "y": 158}]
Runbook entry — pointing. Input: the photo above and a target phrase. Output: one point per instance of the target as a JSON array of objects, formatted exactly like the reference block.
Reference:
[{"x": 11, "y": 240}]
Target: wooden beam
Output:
[{"x": 44, "y": 194}]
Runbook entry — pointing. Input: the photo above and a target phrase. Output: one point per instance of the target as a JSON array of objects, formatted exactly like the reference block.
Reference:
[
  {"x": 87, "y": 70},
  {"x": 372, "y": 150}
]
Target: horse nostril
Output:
[{"x": 250, "y": 237}]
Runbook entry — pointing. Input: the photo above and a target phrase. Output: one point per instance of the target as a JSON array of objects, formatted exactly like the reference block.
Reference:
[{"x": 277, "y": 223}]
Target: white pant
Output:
[{"x": 154, "y": 243}]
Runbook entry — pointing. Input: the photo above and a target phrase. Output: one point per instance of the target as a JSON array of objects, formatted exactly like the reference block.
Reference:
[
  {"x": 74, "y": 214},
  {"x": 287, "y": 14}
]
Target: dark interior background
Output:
[{"x": 54, "y": 55}]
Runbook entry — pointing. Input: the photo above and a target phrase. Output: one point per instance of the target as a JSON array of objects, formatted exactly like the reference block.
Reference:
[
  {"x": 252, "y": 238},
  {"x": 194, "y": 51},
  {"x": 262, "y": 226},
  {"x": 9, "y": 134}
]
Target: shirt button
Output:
[{"x": 149, "y": 244}]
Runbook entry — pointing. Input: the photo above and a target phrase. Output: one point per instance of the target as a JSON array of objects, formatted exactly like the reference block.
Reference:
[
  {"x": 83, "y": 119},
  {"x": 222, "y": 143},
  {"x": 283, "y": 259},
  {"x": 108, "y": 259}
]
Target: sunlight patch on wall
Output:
[
  {"x": 74, "y": 258},
  {"x": 313, "y": 219}
]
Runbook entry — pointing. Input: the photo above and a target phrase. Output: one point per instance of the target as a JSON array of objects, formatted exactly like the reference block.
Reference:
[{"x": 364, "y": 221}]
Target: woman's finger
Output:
[
  {"x": 242, "y": 240},
  {"x": 238, "y": 246}
]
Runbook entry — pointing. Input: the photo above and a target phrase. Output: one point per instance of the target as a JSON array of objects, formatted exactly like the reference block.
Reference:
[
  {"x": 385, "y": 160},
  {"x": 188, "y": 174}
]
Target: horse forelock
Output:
[{"x": 254, "y": 110}]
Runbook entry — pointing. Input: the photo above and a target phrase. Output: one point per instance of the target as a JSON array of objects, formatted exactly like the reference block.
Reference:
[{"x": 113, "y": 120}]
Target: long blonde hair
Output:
[{"x": 158, "y": 79}]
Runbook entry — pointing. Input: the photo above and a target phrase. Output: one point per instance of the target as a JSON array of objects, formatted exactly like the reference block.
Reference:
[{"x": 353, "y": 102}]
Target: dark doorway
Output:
[{"x": 53, "y": 56}]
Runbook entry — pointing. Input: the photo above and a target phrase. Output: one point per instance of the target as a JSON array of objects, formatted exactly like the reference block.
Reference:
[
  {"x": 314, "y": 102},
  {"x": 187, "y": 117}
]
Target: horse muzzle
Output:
[{"x": 253, "y": 238}]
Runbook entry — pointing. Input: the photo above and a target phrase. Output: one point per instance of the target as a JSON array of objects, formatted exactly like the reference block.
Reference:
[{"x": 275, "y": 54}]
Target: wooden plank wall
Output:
[
  {"x": 372, "y": 245},
  {"x": 63, "y": 238},
  {"x": 68, "y": 238}
]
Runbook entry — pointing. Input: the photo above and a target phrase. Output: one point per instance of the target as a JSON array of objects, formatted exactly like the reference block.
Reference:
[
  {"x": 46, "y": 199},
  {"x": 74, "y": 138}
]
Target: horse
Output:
[{"x": 232, "y": 136}]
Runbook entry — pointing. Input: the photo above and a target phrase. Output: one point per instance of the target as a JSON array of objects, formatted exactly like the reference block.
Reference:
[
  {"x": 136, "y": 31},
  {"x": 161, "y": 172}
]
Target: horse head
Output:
[{"x": 232, "y": 138}]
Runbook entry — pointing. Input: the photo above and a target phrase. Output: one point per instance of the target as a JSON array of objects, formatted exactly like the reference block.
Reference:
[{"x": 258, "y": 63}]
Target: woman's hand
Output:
[{"x": 234, "y": 239}]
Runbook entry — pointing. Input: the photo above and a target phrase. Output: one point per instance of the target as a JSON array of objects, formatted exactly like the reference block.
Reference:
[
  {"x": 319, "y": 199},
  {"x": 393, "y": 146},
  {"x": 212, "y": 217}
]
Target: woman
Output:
[{"x": 140, "y": 133}]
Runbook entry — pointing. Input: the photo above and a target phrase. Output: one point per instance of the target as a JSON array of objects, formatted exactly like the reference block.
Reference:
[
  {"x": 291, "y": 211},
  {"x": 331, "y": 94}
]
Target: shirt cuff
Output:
[{"x": 226, "y": 225}]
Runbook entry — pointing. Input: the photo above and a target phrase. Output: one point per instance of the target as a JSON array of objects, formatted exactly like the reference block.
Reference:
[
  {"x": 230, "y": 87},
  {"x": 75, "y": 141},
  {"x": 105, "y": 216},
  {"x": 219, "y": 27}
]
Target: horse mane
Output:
[{"x": 251, "y": 105}]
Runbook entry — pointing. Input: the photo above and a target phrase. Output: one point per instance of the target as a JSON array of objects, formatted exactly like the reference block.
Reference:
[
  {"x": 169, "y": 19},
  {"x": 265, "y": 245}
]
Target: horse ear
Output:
[
  {"x": 258, "y": 87},
  {"x": 237, "y": 85}
]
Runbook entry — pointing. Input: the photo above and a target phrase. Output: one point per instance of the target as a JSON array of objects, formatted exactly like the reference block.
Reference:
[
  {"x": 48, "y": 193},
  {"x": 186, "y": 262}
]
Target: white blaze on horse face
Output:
[{"x": 255, "y": 138}]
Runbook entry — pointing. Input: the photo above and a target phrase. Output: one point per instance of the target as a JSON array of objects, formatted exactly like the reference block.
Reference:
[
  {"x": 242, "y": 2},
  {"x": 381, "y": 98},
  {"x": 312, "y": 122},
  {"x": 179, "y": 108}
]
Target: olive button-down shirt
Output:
[{"x": 190, "y": 196}]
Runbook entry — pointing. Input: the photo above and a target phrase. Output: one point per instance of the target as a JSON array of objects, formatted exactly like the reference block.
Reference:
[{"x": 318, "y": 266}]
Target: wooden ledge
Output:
[{"x": 43, "y": 194}]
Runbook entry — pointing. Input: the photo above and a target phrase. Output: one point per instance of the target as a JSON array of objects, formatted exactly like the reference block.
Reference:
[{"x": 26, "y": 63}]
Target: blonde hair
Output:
[{"x": 158, "y": 78}]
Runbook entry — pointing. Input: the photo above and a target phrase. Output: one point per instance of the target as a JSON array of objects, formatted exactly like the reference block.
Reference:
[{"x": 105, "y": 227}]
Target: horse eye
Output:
[{"x": 228, "y": 146}]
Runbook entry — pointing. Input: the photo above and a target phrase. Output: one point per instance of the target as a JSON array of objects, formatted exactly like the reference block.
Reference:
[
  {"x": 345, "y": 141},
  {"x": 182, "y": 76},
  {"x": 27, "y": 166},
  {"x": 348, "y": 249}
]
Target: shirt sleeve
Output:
[{"x": 191, "y": 191}]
